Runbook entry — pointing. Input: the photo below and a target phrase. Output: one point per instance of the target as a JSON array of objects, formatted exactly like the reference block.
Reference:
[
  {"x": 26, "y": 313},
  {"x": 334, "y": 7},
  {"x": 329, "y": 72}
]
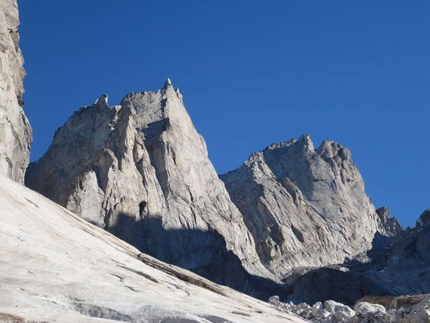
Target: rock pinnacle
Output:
[{"x": 167, "y": 84}]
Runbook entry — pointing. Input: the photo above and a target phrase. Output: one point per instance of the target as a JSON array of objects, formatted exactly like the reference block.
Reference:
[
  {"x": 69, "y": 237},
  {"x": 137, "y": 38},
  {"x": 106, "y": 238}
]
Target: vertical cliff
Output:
[
  {"x": 141, "y": 171},
  {"x": 15, "y": 131},
  {"x": 305, "y": 207}
]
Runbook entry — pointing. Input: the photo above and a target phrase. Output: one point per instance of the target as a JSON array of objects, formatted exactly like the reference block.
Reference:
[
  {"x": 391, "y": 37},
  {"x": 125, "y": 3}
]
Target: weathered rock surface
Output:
[
  {"x": 391, "y": 226},
  {"x": 15, "y": 131},
  {"x": 398, "y": 265},
  {"x": 305, "y": 207},
  {"x": 56, "y": 267},
  {"x": 141, "y": 171},
  {"x": 406, "y": 269}
]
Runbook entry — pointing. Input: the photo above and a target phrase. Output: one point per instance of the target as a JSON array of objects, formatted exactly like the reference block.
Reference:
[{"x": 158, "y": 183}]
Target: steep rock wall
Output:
[
  {"x": 305, "y": 207},
  {"x": 141, "y": 171},
  {"x": 15, "y": 131}
]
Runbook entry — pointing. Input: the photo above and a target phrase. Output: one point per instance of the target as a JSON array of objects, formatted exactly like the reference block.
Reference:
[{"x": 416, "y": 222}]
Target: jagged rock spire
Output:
[
  {"x": 304, "y": 207},
  {"x": 141, "y": 171},
  {"x": 167, "y": 84}
]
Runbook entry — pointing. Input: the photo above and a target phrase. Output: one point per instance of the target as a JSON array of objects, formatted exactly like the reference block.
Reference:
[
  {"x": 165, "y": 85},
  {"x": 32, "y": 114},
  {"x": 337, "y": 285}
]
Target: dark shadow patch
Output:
[
  {"x": 202, "y": 252},
  {"x": 298, "y": 234},
  {"x": 333, "y": 284}
]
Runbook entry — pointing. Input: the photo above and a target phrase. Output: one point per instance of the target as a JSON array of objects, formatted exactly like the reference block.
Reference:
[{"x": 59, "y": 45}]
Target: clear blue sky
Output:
[{"x": 252, "y": 73}]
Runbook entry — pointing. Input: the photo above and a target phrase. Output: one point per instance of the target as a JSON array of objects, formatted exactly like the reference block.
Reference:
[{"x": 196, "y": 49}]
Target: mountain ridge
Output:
[
  {"x": 291, "y": 215},
  {"x": 141, "y": 170}
]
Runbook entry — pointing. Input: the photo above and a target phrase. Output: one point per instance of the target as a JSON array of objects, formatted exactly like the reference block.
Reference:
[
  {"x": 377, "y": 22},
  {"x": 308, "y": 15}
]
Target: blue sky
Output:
[{"x": 252, "y": 73}]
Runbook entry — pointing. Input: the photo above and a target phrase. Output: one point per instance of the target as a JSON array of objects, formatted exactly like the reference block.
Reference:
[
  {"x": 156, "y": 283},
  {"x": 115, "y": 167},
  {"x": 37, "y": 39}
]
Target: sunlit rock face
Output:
[
  {"x": 15, "y": 131},
  {"x": 305, "y": 207},
  {"x": 56, "y": 267},
  {"x": 141, "y": 171}
]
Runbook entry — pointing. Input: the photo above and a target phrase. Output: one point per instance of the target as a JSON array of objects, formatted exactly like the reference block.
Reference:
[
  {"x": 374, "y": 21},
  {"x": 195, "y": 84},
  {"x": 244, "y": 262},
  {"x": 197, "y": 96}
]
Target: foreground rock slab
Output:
[{"x": 56, "y": 267}]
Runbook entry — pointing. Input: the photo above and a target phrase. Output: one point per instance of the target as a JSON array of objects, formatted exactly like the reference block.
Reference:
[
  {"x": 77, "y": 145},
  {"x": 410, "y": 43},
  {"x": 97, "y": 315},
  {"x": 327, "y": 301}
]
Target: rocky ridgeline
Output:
[
  {"x": 410, "y": 309},
  {"x": 305, "y": 207},
  {"x": 141, "y": 171},
  {"x": 301, "y": 225},
  {"x": 15, "y": 131}
]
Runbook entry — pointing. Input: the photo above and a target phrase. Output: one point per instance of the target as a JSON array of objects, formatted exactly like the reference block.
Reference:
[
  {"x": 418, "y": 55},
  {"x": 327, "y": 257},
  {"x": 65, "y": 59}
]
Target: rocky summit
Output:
[
  {"x": 15, "y": 131},
  {"x": 305, "y": 207},
  {"x": 141, "y": 171}
]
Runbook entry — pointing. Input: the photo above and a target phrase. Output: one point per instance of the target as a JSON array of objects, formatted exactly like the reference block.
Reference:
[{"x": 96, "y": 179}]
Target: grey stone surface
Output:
[
  {"x": 305, "y": 207},
  {"x": 141, "y": 171},
  {"x": 397, "y": 265},
  {"x": 56, "y": 267},
  {"x": 390, "y": 225},
  {"x": 15, "y": 131}
]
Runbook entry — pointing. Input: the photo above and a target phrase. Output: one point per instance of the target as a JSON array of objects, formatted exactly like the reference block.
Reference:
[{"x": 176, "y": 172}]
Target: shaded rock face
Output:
[
  {"x": 15, "y": 131},
  {"x": 305, "y": 207},
  {"x": 395, "y": 266},
  {"x": 141, "y": 171},
  {"x": 413, "y": 244}
]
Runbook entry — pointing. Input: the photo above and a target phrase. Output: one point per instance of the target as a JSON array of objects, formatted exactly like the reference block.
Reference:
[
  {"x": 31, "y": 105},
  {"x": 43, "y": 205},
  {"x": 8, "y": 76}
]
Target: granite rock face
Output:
[
  {"x": 407, "y": 265},
  {"x": 15, "y": 131},
  {"x": 391, "y": 226},
  {"x": 56, "y": 267},
  {"x": 141, "y": 171},
  {"x": 305, "y": 207},
  {"x": 397, "y": 265}
]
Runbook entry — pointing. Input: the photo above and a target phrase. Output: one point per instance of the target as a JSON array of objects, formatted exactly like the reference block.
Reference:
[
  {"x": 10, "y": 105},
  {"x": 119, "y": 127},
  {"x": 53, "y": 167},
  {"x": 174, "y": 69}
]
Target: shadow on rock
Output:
[
  {"x": 202, "y": 252},
  {"x": 338, "y": 284},
  {"x": 395, "y": 266}
]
